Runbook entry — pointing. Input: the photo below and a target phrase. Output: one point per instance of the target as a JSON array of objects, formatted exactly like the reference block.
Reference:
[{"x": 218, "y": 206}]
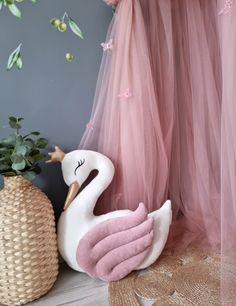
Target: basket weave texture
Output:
[{"x": 28, "y": 245}]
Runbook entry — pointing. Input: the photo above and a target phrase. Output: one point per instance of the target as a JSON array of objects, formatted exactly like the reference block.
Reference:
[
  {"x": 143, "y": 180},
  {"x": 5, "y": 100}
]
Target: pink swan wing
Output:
[
  {"x": 114, "y": 248},
  {"x": 121, "y": 261},
  {"x": 108, "y": 227},
  {"x": 121, "y": 238}
]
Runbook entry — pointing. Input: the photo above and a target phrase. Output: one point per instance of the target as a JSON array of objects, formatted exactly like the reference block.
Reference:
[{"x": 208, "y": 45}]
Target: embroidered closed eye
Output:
[{"x": 80, "y": 163}]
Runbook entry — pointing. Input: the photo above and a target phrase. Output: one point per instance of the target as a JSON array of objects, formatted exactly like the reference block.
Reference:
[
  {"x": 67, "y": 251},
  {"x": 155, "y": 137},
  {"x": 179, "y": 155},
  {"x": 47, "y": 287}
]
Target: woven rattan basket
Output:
[{"x": 28, "y": 247}]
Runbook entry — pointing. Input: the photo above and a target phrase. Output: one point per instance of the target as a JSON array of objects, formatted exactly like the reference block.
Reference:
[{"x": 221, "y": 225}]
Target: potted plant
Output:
[
  {"x": 28, "y": 246},
  {"x": 20, "y": 155}
]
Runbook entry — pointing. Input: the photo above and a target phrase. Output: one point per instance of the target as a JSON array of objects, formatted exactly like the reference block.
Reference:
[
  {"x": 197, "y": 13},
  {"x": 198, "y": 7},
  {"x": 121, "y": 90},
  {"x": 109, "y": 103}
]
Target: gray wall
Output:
[{"x": 54, "y": 96}]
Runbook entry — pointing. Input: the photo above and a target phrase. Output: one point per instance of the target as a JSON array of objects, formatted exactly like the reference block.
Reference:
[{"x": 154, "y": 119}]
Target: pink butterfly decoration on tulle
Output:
[
  {"x": 126, "y": 95},
  {"x": 112, "y": 2},
  {"x": 227, "y": 7},
  {"x": 90, "y": 125},
  {"x": 107, "y": 46}
]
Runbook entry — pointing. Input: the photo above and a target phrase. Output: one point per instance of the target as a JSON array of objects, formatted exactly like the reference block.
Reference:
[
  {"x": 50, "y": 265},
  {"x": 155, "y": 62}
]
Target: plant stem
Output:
[
  {"x": 17, "y": 129},
  {"x": 64, "y": 16}
]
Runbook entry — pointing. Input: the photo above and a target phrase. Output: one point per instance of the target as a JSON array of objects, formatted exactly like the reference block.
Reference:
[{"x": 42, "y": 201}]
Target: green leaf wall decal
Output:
[
  {"x": 75, "y": 28},
  {"x": 19, "y": 62},
  {"x": 14, "y": 10},
  {"x": 12, "y": 60}
]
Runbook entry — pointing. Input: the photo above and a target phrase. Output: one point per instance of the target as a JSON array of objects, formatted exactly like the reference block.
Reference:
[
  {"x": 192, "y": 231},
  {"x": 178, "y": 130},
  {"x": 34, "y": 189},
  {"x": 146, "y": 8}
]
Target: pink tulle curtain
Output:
[
  {"x": 227, "y": 34},
  {"x": 165, "y": 113}
]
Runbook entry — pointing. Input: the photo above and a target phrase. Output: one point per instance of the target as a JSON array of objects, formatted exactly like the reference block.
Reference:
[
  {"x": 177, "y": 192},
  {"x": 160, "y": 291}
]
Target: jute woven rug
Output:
[{"x": 187, "y": 277}]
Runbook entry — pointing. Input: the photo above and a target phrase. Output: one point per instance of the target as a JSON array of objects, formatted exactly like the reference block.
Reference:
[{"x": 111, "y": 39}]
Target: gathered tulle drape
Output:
[
  {"x": 125, "y": 123},
  {"x": 165, "y": 113},
  {"x": 197, "y": 124},
  {"x": 227, "y": 34}
]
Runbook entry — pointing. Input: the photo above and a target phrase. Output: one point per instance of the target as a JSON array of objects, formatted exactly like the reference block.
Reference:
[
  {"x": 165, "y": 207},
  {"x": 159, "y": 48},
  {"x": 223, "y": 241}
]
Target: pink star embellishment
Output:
[
  {"x": 90, "y": 125},
  {"x": 227, "y": 7},
  {"x": 126, "y": 95},
  {"x": 111, "y": 2},
  {"x": 107, "y": 46}
]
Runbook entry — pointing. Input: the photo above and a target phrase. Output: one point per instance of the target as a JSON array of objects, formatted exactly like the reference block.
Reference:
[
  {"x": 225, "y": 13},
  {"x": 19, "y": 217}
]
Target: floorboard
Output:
[{"x": 77, "y": 289}]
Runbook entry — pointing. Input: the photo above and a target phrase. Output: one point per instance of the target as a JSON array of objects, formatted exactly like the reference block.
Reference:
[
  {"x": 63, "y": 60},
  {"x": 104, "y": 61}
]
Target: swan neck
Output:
[{"x": 89, "y": 195}]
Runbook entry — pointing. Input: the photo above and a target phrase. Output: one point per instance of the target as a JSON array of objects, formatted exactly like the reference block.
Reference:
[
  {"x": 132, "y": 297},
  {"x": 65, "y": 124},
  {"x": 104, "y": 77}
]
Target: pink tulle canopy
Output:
[{"x": 165, "y": 113}]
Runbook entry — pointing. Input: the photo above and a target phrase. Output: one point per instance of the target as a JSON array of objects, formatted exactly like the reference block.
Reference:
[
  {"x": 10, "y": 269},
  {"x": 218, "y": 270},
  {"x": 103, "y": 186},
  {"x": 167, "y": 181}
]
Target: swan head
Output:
[{"x": 76, "y": 168}]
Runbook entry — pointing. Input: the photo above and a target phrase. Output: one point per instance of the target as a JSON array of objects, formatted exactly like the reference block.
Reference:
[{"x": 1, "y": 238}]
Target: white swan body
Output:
[{"x": 78, "y": 219}]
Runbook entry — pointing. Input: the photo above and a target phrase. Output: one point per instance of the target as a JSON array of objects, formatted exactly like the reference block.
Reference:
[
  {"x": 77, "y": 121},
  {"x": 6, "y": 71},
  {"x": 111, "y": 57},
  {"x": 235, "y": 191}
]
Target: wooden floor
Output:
[
  {"x": 75, "y": 289},
  {"x": 78, "y": 289}
]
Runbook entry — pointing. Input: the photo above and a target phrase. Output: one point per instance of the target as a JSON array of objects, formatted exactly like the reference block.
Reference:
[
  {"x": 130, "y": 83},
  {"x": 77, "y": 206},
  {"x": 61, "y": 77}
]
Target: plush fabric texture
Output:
[{"x": 114, "y": 248}]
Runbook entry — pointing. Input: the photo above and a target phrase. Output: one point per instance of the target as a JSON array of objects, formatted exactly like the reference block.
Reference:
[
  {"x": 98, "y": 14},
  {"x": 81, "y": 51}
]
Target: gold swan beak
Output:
[{"x": 73, "y": 190}]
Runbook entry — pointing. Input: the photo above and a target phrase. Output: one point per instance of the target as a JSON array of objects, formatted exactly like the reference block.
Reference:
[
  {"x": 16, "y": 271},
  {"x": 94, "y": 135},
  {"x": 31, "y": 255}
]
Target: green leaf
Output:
[
  {"x": 9, "y": 173},
  {"x": 0, "y": 5},
  {"x": 28, "y": 143},
  {"x": 19, "y": 140},
  {"x": 12, "y": 119},
  {"x": 13, "y": 57},
  {"x": 14, "y": 10},
  {"x": 38, "y": 157},
  {"x": 33, "y": 159},
  {"x": 5, "y": 156},
  {"x": 35, "y": 133},
  {"x": 19, "y": 62},
  {"x": 3, "y": 167},
  {"x": 19, "y": 166},
  {"x": 29, "y": 175},
  {"x": 7, "y": 147},
  {"x": 75, "y": 28},
  {"x": 10, "y": 140},
  {"x": 14, "y": 122},
  {"x": 34, "y": 152},
  {"x": 29, "y": 160},
  {"x": 17, "y": 158},
  {"x": 32, "y": 133},
  {"x": 34, "y": 1},
  {"x": 21, "y": 150},
  {"x": 41, "y": 143},
  {"x": 14, "y": 125}
]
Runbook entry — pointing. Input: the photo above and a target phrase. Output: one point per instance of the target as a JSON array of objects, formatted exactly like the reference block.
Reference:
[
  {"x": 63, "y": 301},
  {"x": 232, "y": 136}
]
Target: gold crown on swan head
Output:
[{"x": 56, "y": 156}]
